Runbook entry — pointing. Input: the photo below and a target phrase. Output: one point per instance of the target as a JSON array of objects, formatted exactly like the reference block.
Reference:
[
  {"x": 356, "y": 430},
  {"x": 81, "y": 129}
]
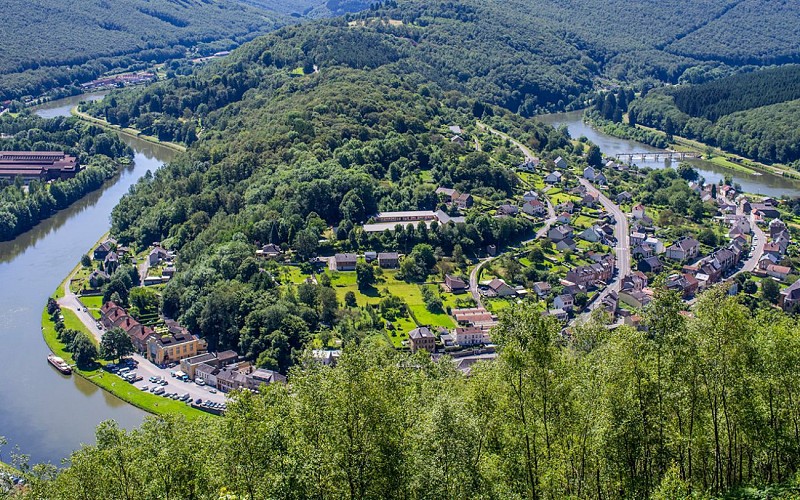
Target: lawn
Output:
[
  {"x": 411, "y": 294},
  {"x": 292, "y": 274},
  {"x": 92, "y": 301},
  {"x": 111, "y": 383},
  {"x": 583, "y": 221}
]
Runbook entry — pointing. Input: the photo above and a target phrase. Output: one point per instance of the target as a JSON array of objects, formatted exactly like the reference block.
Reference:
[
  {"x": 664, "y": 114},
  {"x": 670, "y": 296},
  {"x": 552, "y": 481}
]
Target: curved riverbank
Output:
[
  {"x": 38, "y": 401},
  {"x": 107, "y": 381},
  {"x": 130, "y": 132}
]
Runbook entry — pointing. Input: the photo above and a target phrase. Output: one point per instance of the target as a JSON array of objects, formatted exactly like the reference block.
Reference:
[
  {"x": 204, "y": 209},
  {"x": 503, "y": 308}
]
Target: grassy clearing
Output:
[{"x": 148, "y": 402}]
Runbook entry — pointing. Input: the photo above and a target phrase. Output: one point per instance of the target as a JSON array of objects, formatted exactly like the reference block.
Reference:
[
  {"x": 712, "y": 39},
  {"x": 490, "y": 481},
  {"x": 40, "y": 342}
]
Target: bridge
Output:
[{"x": 667, "y": 155}]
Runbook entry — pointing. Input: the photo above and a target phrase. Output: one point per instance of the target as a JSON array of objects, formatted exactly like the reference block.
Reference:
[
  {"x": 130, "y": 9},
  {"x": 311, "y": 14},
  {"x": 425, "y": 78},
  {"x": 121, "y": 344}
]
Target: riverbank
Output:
[
  {"x": 131, "y": 132},
  {"x": 105, "y": 380},
  {"x": 727, "y": 159}
]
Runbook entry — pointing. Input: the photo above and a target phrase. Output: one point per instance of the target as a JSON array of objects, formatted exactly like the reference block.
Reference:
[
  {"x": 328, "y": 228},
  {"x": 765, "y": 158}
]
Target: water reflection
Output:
[
  {"x": 766, "y": 184},
  {"x": 44, "y": 413}
]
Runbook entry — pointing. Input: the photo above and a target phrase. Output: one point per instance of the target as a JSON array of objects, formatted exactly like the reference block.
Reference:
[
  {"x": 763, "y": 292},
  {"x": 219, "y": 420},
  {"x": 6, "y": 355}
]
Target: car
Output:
[
  {"x": 212, "y": 391},
  {"x": 159, "y": 391},
  {"x": 144, "y": 388},
  {"x": 200, "y": 382},
  {"x": 198, "y": 401},
  {"x": 186, "y": 397},
  {"x": 172, "y": 365},
  {"x": 153, "y": 378},
  {"x": 154, "y": 389},
  {"x": 163, "y": 382}
]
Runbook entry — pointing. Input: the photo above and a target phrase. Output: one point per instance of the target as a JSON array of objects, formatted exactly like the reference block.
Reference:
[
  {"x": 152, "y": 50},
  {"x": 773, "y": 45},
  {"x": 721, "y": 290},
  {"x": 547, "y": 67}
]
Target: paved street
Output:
[
  {"x": 759, "y": 240},
  {"x": 146, "y": 369},
  {"x": 622, "y": 250}
]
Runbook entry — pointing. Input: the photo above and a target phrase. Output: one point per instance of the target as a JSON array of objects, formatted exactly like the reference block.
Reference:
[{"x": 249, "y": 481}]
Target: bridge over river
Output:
[{"x": 658, "y": 155}]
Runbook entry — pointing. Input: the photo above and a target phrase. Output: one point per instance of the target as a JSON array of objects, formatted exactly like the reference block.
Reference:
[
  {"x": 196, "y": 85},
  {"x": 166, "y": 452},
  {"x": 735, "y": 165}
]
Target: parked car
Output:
[{"x": 159, "y": 391}]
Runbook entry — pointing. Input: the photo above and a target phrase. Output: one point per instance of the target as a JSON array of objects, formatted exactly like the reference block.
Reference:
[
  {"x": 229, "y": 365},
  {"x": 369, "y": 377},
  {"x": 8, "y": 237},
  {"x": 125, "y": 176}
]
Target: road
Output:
[
  {"x": 622, "y": 250},
  {"x": 759, "y": 239},
  {"x": 146, "y": 369},
  {"x": 551, "y": 217}
]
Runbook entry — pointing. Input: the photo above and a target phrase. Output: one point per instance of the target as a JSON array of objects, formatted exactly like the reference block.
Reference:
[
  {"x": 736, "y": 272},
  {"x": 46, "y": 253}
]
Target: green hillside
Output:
[
  {"x": 752, "y": 114},
  {"x": 49, "y": 43}
]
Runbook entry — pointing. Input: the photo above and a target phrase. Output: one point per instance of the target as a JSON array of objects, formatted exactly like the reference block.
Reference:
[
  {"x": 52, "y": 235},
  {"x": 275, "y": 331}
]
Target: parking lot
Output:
[{"x": 170, "y": 385}]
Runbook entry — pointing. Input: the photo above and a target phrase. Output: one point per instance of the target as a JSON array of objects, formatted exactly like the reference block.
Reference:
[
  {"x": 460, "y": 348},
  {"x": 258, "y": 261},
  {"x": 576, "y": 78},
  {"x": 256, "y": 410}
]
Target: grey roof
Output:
[{"x": 420, "y": 333}]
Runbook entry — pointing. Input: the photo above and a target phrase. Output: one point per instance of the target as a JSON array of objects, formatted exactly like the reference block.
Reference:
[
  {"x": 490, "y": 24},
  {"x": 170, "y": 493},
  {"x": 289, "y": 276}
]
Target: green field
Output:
[{"x": 410, "y": 293}]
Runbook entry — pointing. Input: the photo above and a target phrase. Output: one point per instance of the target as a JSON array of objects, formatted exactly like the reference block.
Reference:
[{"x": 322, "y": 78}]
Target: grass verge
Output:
[{"x": 150, "y": 403}]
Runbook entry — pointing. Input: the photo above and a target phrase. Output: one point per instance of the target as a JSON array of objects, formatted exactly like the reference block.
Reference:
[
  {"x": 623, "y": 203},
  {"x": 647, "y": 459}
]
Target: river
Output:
[
  {"x": 766, "y": 184},
  {"x": 43, "y": 413}
]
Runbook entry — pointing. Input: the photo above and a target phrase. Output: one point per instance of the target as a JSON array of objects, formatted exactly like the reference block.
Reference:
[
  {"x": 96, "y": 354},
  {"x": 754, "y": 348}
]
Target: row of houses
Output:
[
  {"x": 775, "y": 251},
  {"x": 348, "y": 261},
  {"x": 171, "y": 344}
]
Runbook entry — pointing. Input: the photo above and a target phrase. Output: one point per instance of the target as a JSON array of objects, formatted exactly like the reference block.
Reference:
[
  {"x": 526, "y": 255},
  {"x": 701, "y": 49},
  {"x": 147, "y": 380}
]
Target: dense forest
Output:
[
  {"x": 752, "y": 114},
  {"x": 99, "y": 152},
  {"x": 53, "y": 44},
  {"x": 698, "y": 406},
  {"x": 525, "y": 55}
]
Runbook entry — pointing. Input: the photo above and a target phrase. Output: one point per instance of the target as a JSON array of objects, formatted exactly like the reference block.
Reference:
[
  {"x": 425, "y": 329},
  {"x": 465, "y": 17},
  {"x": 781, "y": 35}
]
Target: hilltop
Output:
[{"x": 49, "y": 43}]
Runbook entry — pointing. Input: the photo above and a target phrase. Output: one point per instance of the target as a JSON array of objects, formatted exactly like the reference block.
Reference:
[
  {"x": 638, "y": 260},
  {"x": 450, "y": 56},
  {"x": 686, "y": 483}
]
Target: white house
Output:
[
  {"x": 553, "y": 177},
  {"x": 638, "y": 212},
  {"x": 592, "y": 234},
  {"x": 656, "y": 244},
  {"x": 530, "y": 196},
  {"x": 533, "y": 207},
  {"x": 588, "y": 173},
  {"x": 564, "y": 301}
]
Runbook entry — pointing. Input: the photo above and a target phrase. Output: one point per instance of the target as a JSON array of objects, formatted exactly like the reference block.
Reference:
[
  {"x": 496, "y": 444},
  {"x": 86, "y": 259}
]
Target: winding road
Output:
[{"x": 551, "y": 216}]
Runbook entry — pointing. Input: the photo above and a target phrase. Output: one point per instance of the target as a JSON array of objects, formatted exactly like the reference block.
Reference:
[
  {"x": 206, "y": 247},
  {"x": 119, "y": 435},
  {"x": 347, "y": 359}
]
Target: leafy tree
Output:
[
  {"x": 115, "y": 344},
  {"x": 365, "y": 275},
  {"x": 350, "y": 299},
  {"x": 770, "y": 290},
  {"x": 84, "y": 352},
  {"x": 86, "y": 261}
]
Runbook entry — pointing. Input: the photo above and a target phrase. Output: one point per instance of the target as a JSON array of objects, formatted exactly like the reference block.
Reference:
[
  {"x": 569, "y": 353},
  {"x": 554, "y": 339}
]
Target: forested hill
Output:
[
  {"x": 752, "y": 114},
  {"x": 533, "y": 52},
  {"x": 48, "y": 43}
]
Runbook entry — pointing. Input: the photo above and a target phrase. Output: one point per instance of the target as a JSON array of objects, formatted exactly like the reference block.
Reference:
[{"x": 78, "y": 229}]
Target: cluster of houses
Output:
[
  {"x": 109, "y": 253},
  {"x": 174, "y": 344},
  {"x": 158, "y": 257},
  {"x": 474, "y": 329},
  {"x": 118, "y": 81},
  {"x": 775, "y": 251},
  {"x": 225, "y": 372},
  {"x": 455, "y": 199},
  {"x": 171, "y": 343},
  {"x": 578, "y": 280}
]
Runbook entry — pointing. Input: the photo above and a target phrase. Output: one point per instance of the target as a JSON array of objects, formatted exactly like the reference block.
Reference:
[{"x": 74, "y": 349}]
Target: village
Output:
[{"x": 602, "y": 241}]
